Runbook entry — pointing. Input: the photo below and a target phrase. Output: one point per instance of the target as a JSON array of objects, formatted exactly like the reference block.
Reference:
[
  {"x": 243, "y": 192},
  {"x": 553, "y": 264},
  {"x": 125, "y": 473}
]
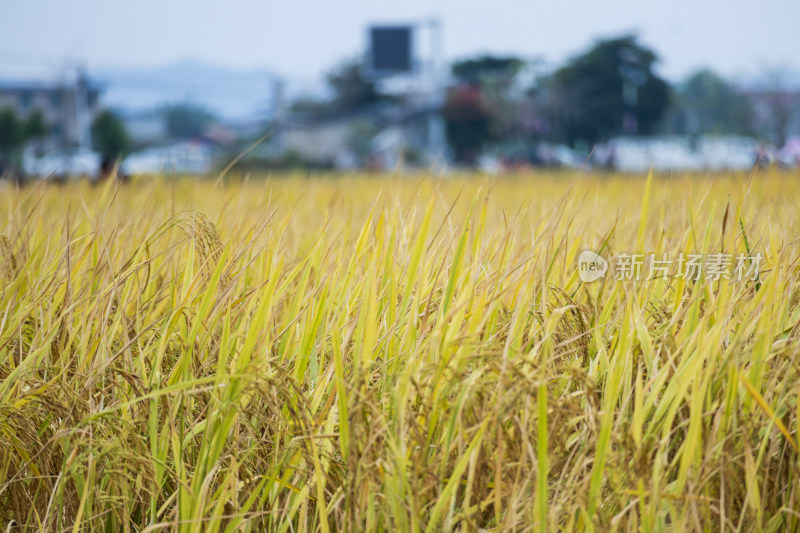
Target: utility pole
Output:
[
  {"x": 82, "y": 119},
  {"x": 391, "y": 55},
  {"x": 278, "y": 108},
  {"x": 436, "y": 130}
]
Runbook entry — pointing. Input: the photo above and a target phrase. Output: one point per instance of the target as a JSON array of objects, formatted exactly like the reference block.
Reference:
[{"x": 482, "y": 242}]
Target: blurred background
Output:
[{"x": 185, "y": 87}]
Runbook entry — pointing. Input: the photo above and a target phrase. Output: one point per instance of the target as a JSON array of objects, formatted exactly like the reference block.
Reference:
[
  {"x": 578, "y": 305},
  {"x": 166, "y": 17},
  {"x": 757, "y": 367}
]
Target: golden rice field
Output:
[{"x": 397, "y": 354}]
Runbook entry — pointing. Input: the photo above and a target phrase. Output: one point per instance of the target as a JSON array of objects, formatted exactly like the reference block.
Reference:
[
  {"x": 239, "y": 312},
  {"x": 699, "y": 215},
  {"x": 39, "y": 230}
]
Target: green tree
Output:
[
  {"x": 483, "y": 107},
  {"x": 186, "y": 120},
  {"x": 35, "y": 126},
  {"x": 609, "y": 90},
  {"x": 12, "y": 134},
  {"x": 707, "y": 103},
  {"x": 488, "y": 70},
  {"x": 109, "y": 136},
  {"x": 351, "y": 91},
  {"x": 35, "y": 130},
  {"x": 467, "y": 123}
]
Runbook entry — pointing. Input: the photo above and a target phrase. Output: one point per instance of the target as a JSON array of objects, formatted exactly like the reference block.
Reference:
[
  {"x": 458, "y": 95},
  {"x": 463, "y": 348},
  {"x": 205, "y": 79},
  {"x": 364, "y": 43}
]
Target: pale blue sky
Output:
[{"x": 301, "y": 38}]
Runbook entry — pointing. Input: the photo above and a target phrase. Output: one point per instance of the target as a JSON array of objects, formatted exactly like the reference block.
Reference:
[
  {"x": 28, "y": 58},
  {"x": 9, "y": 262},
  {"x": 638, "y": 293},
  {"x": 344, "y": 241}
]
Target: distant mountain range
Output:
[
  {"x": 238, "y": 96},
  {"x": 246, "y": 95},
  {"x": 233, "y": 95}
]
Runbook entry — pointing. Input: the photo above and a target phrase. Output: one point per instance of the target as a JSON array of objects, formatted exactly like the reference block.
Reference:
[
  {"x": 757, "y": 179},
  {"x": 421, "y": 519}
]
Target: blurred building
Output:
[
  {"x": 680, "y": 153},
  {"x": 318, "y": 140},
  {"x": 381, "y": 136},
  {"x": 182, "y": 157},
  {"x": 67, "y": 107}
]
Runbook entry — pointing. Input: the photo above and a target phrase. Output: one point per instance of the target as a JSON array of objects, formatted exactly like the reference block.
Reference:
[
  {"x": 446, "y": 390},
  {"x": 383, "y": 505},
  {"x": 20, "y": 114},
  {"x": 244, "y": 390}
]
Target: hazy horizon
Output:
[{"x": 305, "y": 39}]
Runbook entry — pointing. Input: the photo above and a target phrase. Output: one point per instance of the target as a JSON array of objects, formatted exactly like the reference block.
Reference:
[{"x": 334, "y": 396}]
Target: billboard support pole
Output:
[{"x": 437, "y": 143}]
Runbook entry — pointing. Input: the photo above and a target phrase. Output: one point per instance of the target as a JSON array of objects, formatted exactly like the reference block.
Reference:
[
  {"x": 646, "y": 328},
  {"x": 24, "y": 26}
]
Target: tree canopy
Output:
[
  {"x": 609, "y": 90},
  {"x": 482, "y": 108},
  {"x": 36, "y": 126},
  {"x": 109, "y": 136},
  {"x": 351, "y": 90},
  {"x": 467, "y": 123},
  {"x": 186, "y": 119},
  {"x": 487, "y": 69},
  {"x": 12, "y": 132}
]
